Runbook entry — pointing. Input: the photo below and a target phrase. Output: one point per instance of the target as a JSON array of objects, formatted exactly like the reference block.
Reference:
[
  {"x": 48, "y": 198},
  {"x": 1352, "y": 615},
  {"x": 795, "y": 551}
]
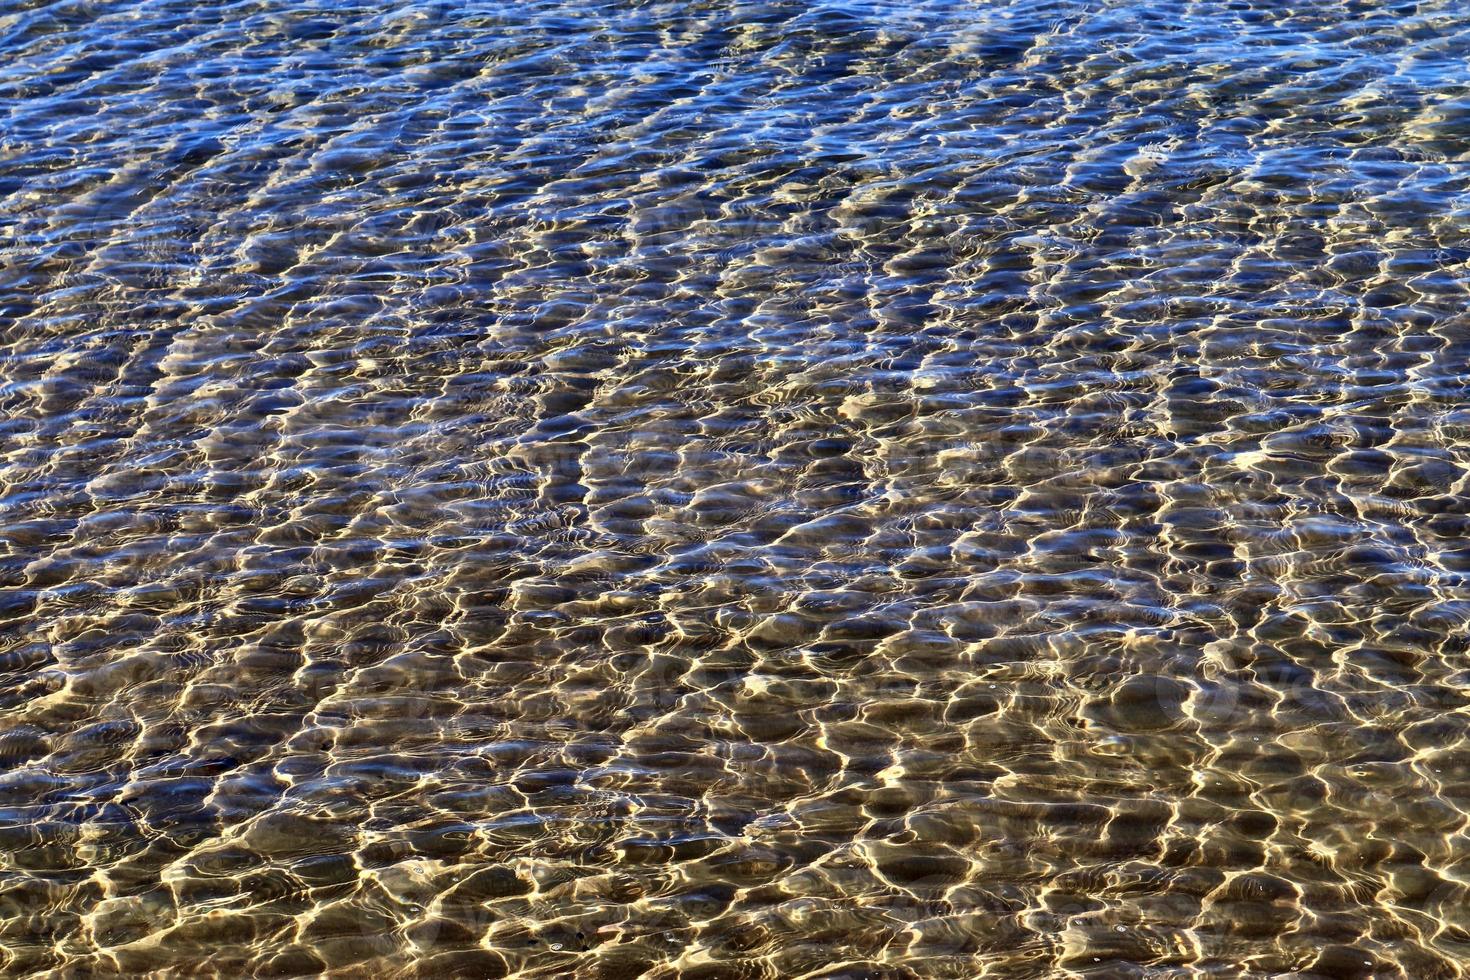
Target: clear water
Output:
[{"x": 735, "y": 490}]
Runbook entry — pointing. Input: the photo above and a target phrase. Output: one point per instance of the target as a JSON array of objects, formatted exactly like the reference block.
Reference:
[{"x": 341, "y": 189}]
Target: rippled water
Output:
[{"x": 735, "y": 490}]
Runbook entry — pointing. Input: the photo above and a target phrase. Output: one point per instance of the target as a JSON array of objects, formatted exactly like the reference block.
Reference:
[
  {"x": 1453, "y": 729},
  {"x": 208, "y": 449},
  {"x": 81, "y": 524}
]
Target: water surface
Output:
[{"x": 734, "y": 490}]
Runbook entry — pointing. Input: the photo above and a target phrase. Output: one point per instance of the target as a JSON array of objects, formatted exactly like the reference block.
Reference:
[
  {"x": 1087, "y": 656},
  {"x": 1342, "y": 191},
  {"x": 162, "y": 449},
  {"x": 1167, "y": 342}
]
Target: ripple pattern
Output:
[{"x": 735, "y": 489}]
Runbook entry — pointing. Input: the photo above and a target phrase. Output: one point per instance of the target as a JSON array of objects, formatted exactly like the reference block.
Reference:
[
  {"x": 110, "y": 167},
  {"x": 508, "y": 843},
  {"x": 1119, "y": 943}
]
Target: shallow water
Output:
[{"x": 735, "y": 490}]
